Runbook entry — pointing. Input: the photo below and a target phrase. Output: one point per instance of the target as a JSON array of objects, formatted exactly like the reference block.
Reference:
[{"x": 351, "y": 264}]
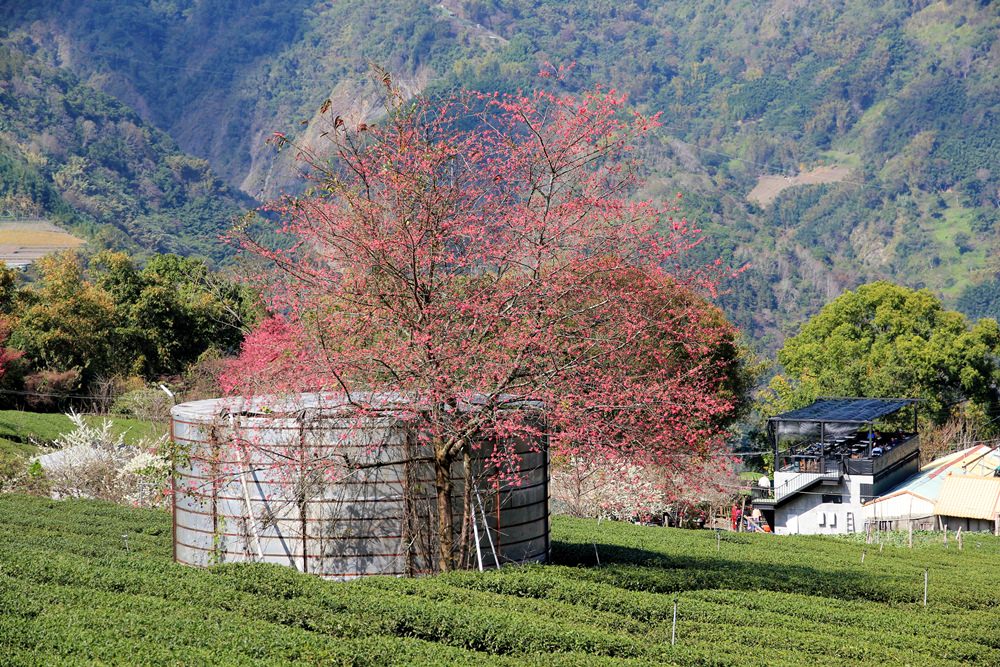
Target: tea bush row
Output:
[{"x": 91, "y": 582}]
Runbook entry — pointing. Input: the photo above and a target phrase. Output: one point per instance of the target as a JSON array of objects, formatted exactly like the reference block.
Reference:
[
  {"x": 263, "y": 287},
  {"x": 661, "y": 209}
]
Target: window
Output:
[{"x": 833, "y": 498}]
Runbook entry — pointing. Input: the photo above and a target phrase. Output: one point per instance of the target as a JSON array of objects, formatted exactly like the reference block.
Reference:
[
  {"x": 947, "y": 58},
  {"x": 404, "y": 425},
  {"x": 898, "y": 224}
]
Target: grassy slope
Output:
[
  {"x": 71, "y": 592},
  {"x": 20, "y": 431}
]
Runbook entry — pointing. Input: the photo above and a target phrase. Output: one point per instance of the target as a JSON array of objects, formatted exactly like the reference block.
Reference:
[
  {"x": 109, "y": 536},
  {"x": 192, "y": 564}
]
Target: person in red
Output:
[{"x": 734, "y": 516}]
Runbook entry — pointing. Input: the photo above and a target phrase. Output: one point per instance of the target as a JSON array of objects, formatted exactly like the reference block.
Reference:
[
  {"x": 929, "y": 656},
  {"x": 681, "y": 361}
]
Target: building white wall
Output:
[
  {"x": 807, "y": 514},
  {"x": 901, "y": 507}
]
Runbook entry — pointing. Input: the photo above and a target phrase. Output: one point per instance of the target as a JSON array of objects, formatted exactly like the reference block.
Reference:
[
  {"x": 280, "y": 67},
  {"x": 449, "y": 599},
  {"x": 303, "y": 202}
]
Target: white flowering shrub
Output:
[
  {"x": 95, "y": 462},
  {"x": 613, "y": 490},
  {"x": 626, "y": 492}
]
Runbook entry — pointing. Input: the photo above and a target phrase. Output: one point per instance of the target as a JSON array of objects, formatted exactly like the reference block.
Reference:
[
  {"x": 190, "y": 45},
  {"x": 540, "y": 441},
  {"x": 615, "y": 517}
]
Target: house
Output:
[
  {"x": 961, "y": 489},
  {"x": 832, "y": 457},
  {"x": 969, "y": 502}
]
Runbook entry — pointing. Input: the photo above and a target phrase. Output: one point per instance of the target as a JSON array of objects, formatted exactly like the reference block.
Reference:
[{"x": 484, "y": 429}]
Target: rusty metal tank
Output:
[{"x": 300, "y": 482}]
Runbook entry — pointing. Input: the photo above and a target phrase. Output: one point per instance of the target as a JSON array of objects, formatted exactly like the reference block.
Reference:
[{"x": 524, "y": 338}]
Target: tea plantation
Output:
[{"x": 74, "y": 590}]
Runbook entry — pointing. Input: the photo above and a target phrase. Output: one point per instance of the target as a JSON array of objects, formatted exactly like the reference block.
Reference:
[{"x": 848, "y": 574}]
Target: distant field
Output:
[
  {"x": 769, "y": 187},
  {"x": 93, "y": 583},
  {"x": 25, "y": 241}
]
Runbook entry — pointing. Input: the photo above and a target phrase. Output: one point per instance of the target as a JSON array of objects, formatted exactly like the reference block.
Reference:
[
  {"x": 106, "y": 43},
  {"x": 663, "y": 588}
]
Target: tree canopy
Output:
[
  {"x": 87, "y": 320},
  {"x": 885, "y": 340},
  {"x": 481, "y": 255}
]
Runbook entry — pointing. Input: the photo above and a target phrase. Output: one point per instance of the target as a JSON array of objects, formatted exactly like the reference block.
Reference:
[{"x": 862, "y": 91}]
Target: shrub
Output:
[
  {"x": 147, "y": 404},
  {"x": 93, "y": 462}
]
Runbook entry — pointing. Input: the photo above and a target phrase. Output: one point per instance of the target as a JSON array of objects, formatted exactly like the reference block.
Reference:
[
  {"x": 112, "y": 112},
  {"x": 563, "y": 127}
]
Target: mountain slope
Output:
[
  {"x": 898, "y": 98},
  {"x": 78, "y": 156}
]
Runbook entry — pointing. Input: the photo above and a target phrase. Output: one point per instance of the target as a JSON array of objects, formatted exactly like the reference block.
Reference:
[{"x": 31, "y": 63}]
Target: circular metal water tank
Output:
[{"x": 300, "y": 483}]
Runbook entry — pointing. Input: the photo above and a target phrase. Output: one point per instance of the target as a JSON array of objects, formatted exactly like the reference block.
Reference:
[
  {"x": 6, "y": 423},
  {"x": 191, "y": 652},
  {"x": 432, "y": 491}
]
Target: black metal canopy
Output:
[{"x": 845, "y": 410}]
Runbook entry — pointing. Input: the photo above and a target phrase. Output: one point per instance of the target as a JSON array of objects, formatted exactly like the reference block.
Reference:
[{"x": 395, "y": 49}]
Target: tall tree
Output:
[
  {"x": 480, "y": 255},
  {"x": 68, "y": 324},
  {"x": 886, "y": 340}
]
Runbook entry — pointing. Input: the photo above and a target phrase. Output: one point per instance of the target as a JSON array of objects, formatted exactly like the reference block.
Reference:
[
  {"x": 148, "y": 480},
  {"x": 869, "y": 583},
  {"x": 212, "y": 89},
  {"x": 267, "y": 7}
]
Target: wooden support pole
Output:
[{"x": 925, "y": 588}]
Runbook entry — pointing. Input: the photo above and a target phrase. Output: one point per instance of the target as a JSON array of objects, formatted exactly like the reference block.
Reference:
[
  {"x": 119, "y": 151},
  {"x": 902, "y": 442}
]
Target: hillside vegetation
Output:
[
  {"x": 74, "y": 155},
  {"x": 904, "y": 95},
  {"x": 88, "y": 581}
]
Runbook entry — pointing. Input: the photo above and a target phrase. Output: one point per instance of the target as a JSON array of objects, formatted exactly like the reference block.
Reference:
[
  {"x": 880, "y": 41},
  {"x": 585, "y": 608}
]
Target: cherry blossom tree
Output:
[{"x": 482, "y": 254}]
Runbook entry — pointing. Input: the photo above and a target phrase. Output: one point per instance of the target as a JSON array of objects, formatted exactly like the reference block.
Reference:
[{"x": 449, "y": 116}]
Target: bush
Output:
[
  {"x": 17, "y": 473},
  {"x": 93, "y": 462},
  {"x": 48, "y": 389}
]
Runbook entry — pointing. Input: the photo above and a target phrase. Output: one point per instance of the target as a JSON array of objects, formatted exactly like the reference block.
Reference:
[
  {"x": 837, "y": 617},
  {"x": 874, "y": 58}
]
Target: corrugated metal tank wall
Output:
[{"x": 334, "y": 497}]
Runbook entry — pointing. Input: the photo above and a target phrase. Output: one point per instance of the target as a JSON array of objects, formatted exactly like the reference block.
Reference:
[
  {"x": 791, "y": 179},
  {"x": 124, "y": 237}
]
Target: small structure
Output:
[
  {"x": 923, "y": 503},
  {"x": 305, "y": 481},
  {"x": 832, "y": 457},
  {"x": 969, "y": 502}
]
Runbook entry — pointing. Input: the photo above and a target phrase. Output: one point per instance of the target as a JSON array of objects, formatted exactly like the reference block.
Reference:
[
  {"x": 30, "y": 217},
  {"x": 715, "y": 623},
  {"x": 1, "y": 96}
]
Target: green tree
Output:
[
  {"x": 171, "y": 311},
  {"x": 69, "y": 324},
  {"x": 885, "y": 340}
]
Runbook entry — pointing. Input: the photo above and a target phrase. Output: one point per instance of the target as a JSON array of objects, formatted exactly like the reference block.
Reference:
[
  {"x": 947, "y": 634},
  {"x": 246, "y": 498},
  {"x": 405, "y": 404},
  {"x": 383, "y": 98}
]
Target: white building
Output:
[{"x": 834, "y": 456}]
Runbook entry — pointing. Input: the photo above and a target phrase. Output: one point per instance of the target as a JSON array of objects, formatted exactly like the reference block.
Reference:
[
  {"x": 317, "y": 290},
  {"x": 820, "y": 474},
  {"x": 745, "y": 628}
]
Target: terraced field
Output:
[
  {"x": 769, "y": 187},
  {"x": 25, "y": 241},
  {"x": 92, "y": 582}
]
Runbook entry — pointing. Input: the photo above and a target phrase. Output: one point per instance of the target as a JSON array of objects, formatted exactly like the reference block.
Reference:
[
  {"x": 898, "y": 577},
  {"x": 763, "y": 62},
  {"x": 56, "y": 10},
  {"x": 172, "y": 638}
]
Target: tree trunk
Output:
[
  {"x": 463, "y": 539},
  {"x": 442, "y": 484}
]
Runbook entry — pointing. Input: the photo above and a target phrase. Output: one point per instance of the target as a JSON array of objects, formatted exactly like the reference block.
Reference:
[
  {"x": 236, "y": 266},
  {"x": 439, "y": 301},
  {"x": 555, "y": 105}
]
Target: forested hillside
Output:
[
  {"x": 902, "y": 95},
  {"x": 75, "y": 155}
]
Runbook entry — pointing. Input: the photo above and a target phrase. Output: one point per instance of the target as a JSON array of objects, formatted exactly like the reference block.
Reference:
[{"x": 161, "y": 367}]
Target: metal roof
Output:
[
  {"x": 846, "y": 410},
  {"x": 969, "y": 496},
  {"x": 973, "y": 461}
]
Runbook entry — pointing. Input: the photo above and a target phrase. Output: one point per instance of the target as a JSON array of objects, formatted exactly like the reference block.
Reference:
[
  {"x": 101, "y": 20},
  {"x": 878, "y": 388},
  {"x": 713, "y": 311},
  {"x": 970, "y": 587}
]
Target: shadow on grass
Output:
[{"x": 639, "y": 569}]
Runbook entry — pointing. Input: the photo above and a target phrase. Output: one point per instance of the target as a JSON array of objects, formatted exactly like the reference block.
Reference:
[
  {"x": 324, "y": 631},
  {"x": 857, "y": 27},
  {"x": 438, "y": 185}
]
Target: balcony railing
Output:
[{"x": 819, "y": 470}]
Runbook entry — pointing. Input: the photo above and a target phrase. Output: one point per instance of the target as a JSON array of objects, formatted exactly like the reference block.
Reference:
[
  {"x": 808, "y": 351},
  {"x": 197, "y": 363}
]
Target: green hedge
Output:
[{"x": 71, "y": 592}]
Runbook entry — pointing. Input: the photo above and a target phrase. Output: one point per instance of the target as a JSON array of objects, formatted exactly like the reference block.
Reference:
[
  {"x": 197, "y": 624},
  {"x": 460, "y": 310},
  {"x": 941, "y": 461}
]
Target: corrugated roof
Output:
[
  {"x": 969, "y": 496},
  {"x": 846, "y": 410},
  {"x": 927, "y": 483}
]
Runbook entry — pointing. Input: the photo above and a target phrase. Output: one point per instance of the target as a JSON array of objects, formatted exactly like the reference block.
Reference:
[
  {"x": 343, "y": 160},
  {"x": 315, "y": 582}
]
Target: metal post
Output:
[
  {"x": 486, "y": 527},
  {"x": 673, "y": 629},
  {"x": 251, "y": 519},
  {"x": 475, "y": 532},
  {"x": 925, "y": 588}
]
